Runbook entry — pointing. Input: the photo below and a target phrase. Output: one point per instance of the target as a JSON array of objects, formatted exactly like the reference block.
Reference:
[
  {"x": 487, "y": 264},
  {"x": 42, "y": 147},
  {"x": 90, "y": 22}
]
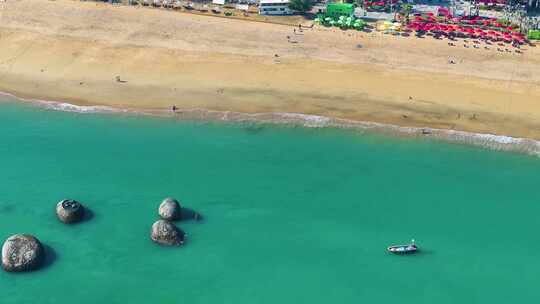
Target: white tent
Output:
[{"x": 242, "y": 7}]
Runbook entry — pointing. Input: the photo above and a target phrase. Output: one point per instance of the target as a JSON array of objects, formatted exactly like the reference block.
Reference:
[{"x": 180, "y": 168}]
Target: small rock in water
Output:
[
  {"x": 170, "y": 209},
  {"x": 166, "y": 233},
  {"x": 22, "y": 252},
  {"x": 69, "y": 211}
]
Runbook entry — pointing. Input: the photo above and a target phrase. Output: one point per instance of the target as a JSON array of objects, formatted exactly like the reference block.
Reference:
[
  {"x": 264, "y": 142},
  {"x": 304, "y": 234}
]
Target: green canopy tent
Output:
[
  {"x": 534, "y": 35},
  {"x": 336, "y": 10}
]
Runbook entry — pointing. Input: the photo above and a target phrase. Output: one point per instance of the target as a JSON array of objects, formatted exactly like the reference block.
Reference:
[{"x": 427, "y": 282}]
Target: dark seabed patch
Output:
[{"x": 7, "y": 208}]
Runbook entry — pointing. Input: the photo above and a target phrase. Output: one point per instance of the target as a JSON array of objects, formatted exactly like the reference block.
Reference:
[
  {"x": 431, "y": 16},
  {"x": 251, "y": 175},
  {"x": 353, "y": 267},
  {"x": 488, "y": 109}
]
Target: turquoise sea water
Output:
[{"x": 292, "y": 215}]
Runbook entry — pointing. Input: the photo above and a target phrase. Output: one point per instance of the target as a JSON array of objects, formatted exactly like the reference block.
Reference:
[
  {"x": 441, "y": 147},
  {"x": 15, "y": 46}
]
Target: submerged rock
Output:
[
  {"x": 70, "y": 211},
  {"x": 22, "y": 252},
  {"x": 170, "y": 209},
  {"x": 166, "y": 233}
]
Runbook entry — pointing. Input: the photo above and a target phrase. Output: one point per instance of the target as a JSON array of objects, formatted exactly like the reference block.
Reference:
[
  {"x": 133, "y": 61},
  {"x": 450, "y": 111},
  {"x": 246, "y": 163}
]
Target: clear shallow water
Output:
[{"x": 292, "y": 215}]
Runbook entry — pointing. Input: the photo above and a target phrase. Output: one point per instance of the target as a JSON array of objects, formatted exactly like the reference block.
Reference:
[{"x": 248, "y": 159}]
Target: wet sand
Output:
[{"x": 73, "y": 51}]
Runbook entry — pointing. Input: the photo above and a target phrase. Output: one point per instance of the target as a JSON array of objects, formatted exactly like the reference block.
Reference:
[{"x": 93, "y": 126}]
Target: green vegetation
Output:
[
  {"x": 491, "y": 8},
  {"x": 342, "y": 22},
  {"x": 336, "y": 10},
  {"x": 340, "y": 15},
  {"x": 534, "y": 35},
  {"x": 504, "y": 22},
  {"x": 406, "y": 11},
  {"x": 301, "y": 6}
]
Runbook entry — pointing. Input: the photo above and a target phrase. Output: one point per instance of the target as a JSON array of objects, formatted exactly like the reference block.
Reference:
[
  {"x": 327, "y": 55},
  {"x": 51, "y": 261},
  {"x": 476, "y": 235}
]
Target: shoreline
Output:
[
  {"x": 481, "y": 140},
  {"x": 74, "y": 52}
]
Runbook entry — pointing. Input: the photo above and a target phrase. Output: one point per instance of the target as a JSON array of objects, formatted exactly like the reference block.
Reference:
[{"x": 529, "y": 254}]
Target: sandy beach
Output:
[{"x": 73, "y": 51}]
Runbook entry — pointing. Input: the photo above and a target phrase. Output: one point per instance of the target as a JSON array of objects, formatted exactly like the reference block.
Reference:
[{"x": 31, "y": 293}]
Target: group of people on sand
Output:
[
  {"x": 295, "y": 31},
  {"x": 501, "y": 47}
]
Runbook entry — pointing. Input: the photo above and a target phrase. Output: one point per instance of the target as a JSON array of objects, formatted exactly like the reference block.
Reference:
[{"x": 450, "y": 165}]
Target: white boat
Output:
[{"x": 403, "y": 249}]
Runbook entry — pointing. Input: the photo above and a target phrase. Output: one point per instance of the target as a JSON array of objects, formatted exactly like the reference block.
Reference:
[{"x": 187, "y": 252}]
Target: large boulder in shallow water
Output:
[
  {"x": 170, "y": 209},
  {"x": 70, "y": 211},
  {"x": 166, "y": 233},
  {"x": 22, "y": 252}
]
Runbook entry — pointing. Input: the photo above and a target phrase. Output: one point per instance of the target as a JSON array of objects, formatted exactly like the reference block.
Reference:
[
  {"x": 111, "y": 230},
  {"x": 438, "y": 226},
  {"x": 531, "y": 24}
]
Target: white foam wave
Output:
[
  {"x": 490, "y": 141},
  {"x": 67, "y": 107},
  {"x": 307, "y": 118},
  {"x": 64, "y": 106}
]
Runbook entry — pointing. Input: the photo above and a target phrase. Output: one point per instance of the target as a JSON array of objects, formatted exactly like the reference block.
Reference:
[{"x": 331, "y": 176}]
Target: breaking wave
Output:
[{"x": 490, "y": 141}]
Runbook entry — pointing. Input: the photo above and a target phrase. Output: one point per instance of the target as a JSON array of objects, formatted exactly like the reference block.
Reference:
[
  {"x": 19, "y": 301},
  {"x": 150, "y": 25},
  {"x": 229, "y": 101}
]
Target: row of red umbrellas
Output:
[
  {"x": 473, "y": 21},
  {"x": 470, "y": 31}
]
